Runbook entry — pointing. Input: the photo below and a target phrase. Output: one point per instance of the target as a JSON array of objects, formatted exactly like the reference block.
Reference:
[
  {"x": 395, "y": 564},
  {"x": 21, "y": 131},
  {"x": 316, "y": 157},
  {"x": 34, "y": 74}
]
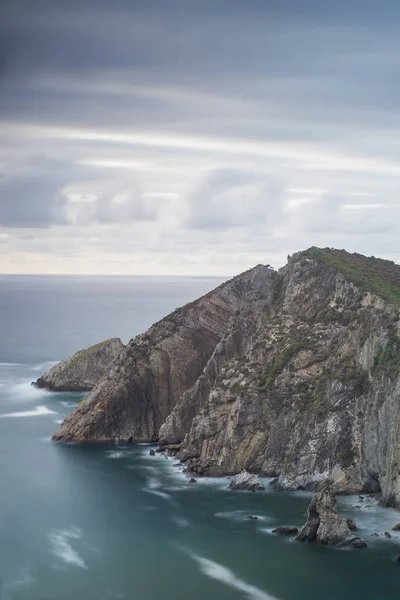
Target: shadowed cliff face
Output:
[
  {"x": 292, "y": 374},
  {"x": 156, "y": 368}
]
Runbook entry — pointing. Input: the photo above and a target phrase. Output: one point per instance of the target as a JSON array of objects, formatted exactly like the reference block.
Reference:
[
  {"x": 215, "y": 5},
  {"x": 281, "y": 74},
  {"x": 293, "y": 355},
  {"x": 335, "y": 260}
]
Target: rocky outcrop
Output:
[
  {"x": 286, "y": 530},
  {"x": 246, "y": 481},
  {"x": 83, "y": 370},
  {"x": 292, "y": 374},
  {"x": 325, "y": 526},
  {"x": 141, "y": 388}
]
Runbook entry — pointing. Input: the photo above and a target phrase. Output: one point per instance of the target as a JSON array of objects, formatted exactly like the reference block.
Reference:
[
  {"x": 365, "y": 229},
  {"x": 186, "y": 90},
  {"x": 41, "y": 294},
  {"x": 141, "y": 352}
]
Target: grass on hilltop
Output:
[{"x": 376, "y": 275}]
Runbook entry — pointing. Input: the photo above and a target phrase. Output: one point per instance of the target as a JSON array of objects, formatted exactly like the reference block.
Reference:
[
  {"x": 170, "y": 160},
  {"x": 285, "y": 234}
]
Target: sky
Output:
[{"x": 196, "y": 137}]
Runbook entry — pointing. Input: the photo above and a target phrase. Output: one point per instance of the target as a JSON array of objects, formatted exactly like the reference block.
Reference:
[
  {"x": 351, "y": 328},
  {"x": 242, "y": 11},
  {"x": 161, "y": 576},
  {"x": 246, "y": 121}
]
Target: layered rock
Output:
[
  {"x": 154, "y": 371},
  {"x": 83, "y": 370},
  {"x": 291, "y": 374},
  {"x": 325, "y": 526}
]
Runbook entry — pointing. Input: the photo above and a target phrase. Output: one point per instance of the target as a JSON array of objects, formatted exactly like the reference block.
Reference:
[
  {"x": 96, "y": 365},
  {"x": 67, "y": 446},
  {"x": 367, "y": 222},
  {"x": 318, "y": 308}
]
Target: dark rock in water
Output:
[
  {"x": 396, "y": 527},
  {"x": 151, "y": 452},
  {"x": 192, "y": 480},
  {"x": 325, "y": 526},
  {"x": 398, "y": 559},
  {"x": 286, "y": 530},
  {"x": 161, "y": 449},
  {"x": 177, "y": 465},
  {"x": 375, "y": 534},
  {"x": 387, "y": 535},
  {"x": 83, "y": 370},
  {"x": 165, "y": 456},
  {"x": 246, "y": 481},
  {"x": 351, "y": 524},
  {"x": 251, "y": 518}
]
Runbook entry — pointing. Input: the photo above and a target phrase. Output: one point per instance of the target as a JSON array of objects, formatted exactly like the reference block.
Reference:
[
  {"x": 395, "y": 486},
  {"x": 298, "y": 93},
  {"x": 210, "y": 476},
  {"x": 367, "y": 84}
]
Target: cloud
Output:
[
  {"x": 115, "y": 205},
  {"x": 228, "y": 199},
  {"x": 31, "y": 195},
  {"x": 201, "y": 138}
]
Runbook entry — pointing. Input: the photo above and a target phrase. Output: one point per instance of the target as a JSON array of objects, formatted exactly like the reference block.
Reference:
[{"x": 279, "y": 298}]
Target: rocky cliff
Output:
[
  {"x": 154, "y": 371},
  {"x": 83, "y": 370},
  {"x": 292, "y": 374}
]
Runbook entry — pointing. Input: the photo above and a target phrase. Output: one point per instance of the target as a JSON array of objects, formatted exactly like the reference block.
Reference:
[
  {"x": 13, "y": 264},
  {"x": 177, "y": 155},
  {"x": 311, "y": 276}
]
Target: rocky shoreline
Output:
[{"x": 292, "y": 374}]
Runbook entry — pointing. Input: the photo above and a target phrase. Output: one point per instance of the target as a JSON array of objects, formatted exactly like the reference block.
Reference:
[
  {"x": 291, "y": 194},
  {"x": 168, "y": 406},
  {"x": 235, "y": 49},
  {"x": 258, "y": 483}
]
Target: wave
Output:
[
  {"x": 62, "y": 549},
  {"x": 24, "y": 390},
  {"x": 216, "y": 571},
  {"x": 38, "y": 411}
]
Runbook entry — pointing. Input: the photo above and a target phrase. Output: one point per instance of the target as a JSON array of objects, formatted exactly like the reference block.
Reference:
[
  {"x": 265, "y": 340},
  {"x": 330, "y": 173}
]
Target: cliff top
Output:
[{"x": 377, "y": 275}]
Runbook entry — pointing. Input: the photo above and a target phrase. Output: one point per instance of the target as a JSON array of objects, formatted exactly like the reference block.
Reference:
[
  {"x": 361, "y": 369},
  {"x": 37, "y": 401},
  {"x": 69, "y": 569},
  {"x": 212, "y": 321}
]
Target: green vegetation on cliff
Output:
[{"x": 376, "y": 275}]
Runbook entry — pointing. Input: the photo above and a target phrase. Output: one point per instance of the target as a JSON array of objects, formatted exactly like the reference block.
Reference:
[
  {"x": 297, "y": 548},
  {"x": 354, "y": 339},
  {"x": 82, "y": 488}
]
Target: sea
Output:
[{"x": 113, "y": 522}]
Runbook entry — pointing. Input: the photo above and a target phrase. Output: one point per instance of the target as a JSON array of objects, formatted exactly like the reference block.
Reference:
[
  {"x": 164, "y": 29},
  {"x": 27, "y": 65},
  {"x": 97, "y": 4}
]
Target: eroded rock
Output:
[
  {"x": 246, "y": 481},
  {"x": 325, "y": 526}
]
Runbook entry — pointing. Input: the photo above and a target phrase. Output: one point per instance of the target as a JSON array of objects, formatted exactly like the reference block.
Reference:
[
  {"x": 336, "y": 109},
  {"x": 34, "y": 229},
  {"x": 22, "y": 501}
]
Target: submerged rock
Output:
[
  {"x": 151, "y": 452},
  {"x": 387, "y": 535},
  {"x": 83, "y": 370},
  {"x": 192, "y": 480},
  {"x": 375, "y": 534},
  {"x": 396, "y": 527},
  {"x": 286, "y": 530},
  {"x": 251, "y": 518},
  {"x": 246, "y": 481},
  {"x": 325, "y": 526}
]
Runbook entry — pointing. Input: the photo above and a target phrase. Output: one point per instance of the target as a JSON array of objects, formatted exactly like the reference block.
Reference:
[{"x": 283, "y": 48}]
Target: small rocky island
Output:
[
  {"x": 83, "y": 370},
  {"x": 292, "y": 374},
  {"x": 325, "y": 526}
]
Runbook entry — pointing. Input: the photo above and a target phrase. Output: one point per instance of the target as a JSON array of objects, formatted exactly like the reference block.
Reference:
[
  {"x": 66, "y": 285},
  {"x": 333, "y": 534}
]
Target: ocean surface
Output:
[{"x": 112, "y": 522}]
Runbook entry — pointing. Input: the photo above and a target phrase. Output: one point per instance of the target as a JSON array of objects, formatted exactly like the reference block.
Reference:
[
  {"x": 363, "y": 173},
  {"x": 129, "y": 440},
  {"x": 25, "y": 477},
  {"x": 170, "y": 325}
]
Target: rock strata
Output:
[
  {"x": 325, "y": 526},
  {"x": 291, "y": 374},
  {"x": 83, "y": 370},
  {"x": 246, "y": 481}
]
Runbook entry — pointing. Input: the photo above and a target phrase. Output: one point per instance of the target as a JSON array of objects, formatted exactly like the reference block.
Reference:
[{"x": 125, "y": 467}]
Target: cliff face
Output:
[
  {"x": 155, "y": 369},
  {"x": 292, "y": 374},
  {"x": 83, "y": 370}
]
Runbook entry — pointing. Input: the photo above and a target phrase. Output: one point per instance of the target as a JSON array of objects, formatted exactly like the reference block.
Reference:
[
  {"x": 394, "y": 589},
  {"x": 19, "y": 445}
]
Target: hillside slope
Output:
[{"x": 300, "y": 380}]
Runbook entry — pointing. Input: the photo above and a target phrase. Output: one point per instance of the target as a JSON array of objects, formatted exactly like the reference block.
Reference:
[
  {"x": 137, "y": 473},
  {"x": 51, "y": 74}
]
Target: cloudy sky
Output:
[{"x": 196, "y": 137}]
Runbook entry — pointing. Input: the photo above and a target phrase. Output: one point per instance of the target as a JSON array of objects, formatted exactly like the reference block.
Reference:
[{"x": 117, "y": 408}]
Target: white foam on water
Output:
[
  {"x": 38, "y": 411},
  {"x": 24, "y": 390},
  {"x": 59, "y": 421},
  {"x": 68, "y": 404},
  {"x": 153, "y": 487},
  {"x": 220, "y": 573},
  {"x": 181, "y": 522},
  {"x": 24, "y": 578},
  {"x": 370, "y": 517},
  {"x": 62, "y": 548}
]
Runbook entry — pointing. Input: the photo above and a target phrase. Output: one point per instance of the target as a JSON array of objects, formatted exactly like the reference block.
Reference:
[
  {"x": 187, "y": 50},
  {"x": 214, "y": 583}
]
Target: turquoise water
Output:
[{"x": 113, "y": 522}]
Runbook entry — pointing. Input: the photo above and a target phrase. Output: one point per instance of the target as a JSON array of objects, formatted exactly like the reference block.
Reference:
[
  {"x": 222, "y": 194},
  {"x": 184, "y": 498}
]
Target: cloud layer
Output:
[{"x": 186, "y": 137}]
